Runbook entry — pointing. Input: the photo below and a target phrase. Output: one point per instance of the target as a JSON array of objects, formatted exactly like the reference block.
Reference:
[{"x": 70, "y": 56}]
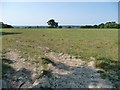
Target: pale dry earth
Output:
[{"x": 63, "y": 71}]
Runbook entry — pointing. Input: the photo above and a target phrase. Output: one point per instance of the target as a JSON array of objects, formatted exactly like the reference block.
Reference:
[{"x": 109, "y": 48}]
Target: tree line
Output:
[
  {"x": 2, "y": 25},
  {"x": 103, "y": 25},
  {"x": 53, "y": 24}
]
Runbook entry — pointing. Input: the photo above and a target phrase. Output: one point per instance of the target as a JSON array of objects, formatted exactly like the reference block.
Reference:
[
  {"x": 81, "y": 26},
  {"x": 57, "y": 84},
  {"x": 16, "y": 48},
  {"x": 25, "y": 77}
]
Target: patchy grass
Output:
[
  {"x": 5, "y": 68},
  {"x": 96, "y": 42},
  {"x": 109, "y": 69},
  {"x": 99, "y": 43}
]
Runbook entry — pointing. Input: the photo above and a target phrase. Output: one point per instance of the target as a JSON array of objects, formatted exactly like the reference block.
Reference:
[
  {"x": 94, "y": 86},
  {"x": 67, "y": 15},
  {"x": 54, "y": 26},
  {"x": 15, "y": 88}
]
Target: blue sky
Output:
[{"x": 65, "y": 13}]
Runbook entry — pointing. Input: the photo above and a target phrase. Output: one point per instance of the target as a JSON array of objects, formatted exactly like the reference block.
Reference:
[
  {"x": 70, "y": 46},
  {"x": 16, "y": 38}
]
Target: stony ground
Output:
[{"x": 64, "y": 71}]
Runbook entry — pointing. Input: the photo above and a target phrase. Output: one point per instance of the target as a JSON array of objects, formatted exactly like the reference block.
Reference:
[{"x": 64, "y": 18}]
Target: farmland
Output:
[
  {"x": 100, "y": 44},
  {"x": 96, "y": 43}
]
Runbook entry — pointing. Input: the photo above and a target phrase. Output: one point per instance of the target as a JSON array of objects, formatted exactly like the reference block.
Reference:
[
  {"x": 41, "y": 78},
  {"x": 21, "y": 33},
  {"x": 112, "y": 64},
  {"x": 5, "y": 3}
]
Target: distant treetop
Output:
[
  {"x": 52, "y": 23},
  {"x": 103, "y": 25},
  {"x": 2, "y": 25}
]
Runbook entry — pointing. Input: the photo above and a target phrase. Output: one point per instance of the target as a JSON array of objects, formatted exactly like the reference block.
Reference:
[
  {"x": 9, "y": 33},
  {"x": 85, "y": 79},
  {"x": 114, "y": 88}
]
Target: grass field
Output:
[
  {"x": 102, "y": 44},
  {"x": 86, "y": 42}
]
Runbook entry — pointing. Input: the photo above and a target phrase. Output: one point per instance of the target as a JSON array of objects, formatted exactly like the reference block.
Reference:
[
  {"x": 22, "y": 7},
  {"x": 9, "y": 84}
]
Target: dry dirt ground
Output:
[{"x": 64, "y": 71}]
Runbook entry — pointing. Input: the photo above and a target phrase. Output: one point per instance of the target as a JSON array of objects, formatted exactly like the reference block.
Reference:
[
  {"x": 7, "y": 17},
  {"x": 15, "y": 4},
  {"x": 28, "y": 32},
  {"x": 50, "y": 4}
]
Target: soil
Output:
[{"x": 64, "y": 71}]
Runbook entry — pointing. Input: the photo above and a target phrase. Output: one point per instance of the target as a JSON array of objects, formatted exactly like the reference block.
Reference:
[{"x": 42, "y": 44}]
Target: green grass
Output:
[
  {"x": 96, "y": 43},
  {"x": 99, "y": 43}
]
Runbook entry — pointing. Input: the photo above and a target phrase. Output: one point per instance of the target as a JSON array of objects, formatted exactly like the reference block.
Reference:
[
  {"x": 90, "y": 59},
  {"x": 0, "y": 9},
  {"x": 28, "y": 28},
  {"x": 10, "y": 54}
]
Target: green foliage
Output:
[
  {"x": 2, "y": 25},
  {"x": 102, "y": 25},
  {"x": 60, "y": 26},
  {"x": 52, "y": 23},
  {"x": 111, "y": 25}
]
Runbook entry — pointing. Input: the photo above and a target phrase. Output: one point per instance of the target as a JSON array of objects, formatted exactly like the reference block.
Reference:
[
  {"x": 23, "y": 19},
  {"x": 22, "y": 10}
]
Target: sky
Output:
[
  {"x": 65, "y": 13},
  {"x": 59, "y": 0}
]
